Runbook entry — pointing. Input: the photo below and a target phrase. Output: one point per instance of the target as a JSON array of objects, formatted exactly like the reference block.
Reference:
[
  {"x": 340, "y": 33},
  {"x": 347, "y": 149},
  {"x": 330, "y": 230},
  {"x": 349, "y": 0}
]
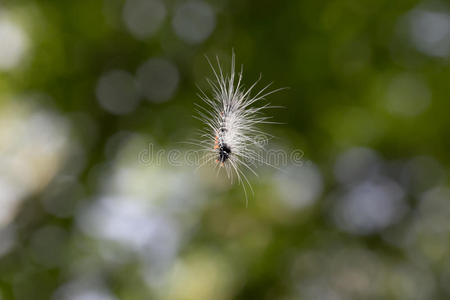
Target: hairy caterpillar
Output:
[{"x": 231, "y": 138}]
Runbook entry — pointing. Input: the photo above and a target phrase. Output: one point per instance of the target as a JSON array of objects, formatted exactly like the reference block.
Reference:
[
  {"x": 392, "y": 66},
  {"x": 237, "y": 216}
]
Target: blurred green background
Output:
[{"x": 88, "y": 86}]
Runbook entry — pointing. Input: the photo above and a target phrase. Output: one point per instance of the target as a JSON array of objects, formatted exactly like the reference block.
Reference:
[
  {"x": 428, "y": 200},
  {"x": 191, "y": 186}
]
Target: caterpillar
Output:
[{"x": 231, "y": 115}]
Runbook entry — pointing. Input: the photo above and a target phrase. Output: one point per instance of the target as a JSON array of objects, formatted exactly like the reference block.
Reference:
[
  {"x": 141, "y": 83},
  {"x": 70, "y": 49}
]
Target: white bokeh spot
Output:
[
  {"x": 194, "y": 21},
  {"x": 143, "y": 17},
  {"x": 13, "y": 44}
]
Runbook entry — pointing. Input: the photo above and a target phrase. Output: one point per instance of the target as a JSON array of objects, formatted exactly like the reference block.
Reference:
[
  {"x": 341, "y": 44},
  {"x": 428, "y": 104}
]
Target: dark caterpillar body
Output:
[{"x": 224, "y": 153}]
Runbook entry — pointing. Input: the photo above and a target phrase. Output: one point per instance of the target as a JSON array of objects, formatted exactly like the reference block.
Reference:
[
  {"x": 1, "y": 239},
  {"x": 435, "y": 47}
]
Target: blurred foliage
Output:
[{"x": 87, "y": 85}]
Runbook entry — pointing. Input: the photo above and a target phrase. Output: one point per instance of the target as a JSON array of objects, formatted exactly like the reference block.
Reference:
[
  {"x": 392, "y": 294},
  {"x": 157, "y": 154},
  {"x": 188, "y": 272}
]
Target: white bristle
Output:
[{"x": 231, "y": 138}]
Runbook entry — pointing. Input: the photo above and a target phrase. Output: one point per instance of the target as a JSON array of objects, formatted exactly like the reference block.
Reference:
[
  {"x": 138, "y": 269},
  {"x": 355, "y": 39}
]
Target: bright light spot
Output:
[
  {"x": 143, "y": 17},
  {"x": 299, "y": 186},
  {"x": 122, "y": 220},
  {"x": 369, "y": 207},
  {"x": 407, "y": 96},
  {"x": 33, "y": 144},
  {"x": 194, "y": 21},
  {"x": 13, "y": 44},
  {"x": 117, "y": 93},
  {"x": 430, "y": 32},
  {"x": 158, "y": 79},
  {"x": 130, "y": 223}
]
